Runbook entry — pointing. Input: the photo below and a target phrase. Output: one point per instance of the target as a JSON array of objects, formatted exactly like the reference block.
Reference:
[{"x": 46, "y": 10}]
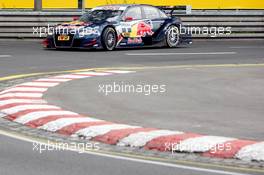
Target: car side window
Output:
[
  {"x": 134, "y": 12},
  {"x": 151, "y": 12}
]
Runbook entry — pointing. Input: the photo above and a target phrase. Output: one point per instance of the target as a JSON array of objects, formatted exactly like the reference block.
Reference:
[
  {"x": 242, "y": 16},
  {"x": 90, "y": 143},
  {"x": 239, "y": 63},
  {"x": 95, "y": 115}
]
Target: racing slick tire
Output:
[
  {"x": 172, "y": 36},
  {"x": 109, "y": 39}
]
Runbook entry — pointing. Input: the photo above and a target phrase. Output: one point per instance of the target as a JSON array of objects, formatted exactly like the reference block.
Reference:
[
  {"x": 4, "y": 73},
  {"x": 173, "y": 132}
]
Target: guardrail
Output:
[{"x": 244, "y": 24}]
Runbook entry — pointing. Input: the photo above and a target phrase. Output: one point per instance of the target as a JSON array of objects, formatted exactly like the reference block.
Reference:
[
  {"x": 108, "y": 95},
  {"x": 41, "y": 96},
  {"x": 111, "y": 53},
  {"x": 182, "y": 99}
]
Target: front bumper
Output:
[{"x": 73, "y": 42}]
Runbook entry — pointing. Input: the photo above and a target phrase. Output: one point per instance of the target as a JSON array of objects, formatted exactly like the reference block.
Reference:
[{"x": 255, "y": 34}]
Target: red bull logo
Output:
[{"x": 144, "y": 29}]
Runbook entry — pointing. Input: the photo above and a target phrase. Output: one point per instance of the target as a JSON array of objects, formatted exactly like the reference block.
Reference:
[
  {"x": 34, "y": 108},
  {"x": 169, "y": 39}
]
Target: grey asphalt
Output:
[
  {"x": 214, "y": 101},
  {"x": 28, "y": 56},
  {"x": 17, "y": 157}
]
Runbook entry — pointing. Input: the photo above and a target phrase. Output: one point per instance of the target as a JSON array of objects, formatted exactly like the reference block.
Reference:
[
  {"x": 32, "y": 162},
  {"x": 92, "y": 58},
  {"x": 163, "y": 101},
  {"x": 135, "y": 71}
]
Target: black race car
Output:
[{"x": 115, "y": 26}]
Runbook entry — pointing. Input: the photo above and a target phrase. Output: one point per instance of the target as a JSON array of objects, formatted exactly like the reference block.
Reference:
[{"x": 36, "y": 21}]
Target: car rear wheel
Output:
[
  {"x": 109, "y": 39},
  {"x": 172, "y": 36}
]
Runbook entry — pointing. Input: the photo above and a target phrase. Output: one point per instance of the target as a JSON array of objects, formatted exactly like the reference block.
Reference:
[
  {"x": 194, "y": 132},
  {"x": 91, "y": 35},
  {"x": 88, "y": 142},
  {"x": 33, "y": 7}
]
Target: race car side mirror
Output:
[
  {"x": 128, "y": 18},
  {"x": 75, "y": 18}
]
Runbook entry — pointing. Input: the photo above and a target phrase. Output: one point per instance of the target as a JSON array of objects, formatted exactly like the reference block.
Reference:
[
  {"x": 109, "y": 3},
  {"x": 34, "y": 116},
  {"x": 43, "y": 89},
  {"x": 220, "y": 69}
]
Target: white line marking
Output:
[
  {"x": 37, "y": 84},
  {"x": 71, "y": 76},
  {"x": 127, "y": 158},
  {"x": 179, "y": 53},
  {"x": 94, "y": 131},
  {"x": 29, "y": 95},
  {"x": 19, "y": 108},
  {"x": 141, "y": 138},
  {"x": 56, "y": 125},
  {"x": 5, "y": 56},
  {"x": 24, "y": 89},
  {"x": 120, "y": 71},
  {"x": 53, "y": 80},
  {"x": 41, "y": 114},
  {"x": 94, "y": 73},
  {"x": 12, "y": 101},
  {"x": 247, "y": 47}
]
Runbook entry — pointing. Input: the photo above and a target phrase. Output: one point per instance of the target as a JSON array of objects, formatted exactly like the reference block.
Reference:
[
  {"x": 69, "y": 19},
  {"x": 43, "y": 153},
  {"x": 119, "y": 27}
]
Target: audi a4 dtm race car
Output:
[{"x": 118, "y": 26}]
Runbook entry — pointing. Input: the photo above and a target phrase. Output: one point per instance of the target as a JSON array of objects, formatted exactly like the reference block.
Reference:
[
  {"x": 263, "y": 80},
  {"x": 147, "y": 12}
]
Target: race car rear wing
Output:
[{"x": 174, "y": 10}]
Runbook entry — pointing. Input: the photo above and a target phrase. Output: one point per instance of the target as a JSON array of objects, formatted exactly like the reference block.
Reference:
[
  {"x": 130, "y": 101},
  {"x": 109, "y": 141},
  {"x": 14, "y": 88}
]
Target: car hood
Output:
[{"x": 75, "y": 24}]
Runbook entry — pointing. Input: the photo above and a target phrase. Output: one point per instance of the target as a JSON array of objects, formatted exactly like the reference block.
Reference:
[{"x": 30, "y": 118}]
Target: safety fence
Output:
[
  {"x": 74, "y": 4},
  {"x": 242, "y": 24}
]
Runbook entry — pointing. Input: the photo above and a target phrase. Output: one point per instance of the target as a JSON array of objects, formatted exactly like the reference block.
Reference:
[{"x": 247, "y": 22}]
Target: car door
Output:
[
  {"x": 130, "y": 20},
  {"x": 155, "y": 17},
  {"x": 139, "y": 23}
]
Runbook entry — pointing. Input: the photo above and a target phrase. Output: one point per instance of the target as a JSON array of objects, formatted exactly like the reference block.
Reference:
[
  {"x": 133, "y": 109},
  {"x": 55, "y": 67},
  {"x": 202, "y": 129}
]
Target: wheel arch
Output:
[
  {"x": 107, "y": 26},
  {"x": 102, "y": 35},
  {"x": 178, "y": 36}
]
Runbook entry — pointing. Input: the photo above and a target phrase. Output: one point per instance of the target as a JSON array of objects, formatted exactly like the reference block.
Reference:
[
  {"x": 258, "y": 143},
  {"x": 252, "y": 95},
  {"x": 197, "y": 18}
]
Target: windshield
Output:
[{"x": 99, "y": 15}]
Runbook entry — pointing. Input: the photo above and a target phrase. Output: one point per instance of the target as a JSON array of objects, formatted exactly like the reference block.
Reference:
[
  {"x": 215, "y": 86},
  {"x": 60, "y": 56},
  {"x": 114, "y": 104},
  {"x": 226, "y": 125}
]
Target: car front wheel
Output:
[
  {"x": 109, "y": 39},
  {"x": 172, "y": 36}
]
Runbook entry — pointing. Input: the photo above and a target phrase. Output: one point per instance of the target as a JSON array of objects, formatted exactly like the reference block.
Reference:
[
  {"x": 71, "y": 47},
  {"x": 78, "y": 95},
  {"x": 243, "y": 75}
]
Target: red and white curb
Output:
[{"x": 23, "y": 104}]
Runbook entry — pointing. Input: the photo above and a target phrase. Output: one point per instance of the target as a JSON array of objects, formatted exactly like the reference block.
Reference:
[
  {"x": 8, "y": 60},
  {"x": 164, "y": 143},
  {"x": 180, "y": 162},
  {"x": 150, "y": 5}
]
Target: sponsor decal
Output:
[
  {"x": 134, "y": 41},
  {"x": 144, "y": 29},
  {"x": 136, "y": 29}
]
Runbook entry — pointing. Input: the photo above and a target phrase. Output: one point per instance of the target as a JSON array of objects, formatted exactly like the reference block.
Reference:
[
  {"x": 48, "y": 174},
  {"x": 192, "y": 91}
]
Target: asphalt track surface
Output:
[
  {"x": 208, "y": 101},
  {"x": 17, "y": 157},
  {"x": 28, "y": 57},
  {"x": 20, "y": 57}
]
